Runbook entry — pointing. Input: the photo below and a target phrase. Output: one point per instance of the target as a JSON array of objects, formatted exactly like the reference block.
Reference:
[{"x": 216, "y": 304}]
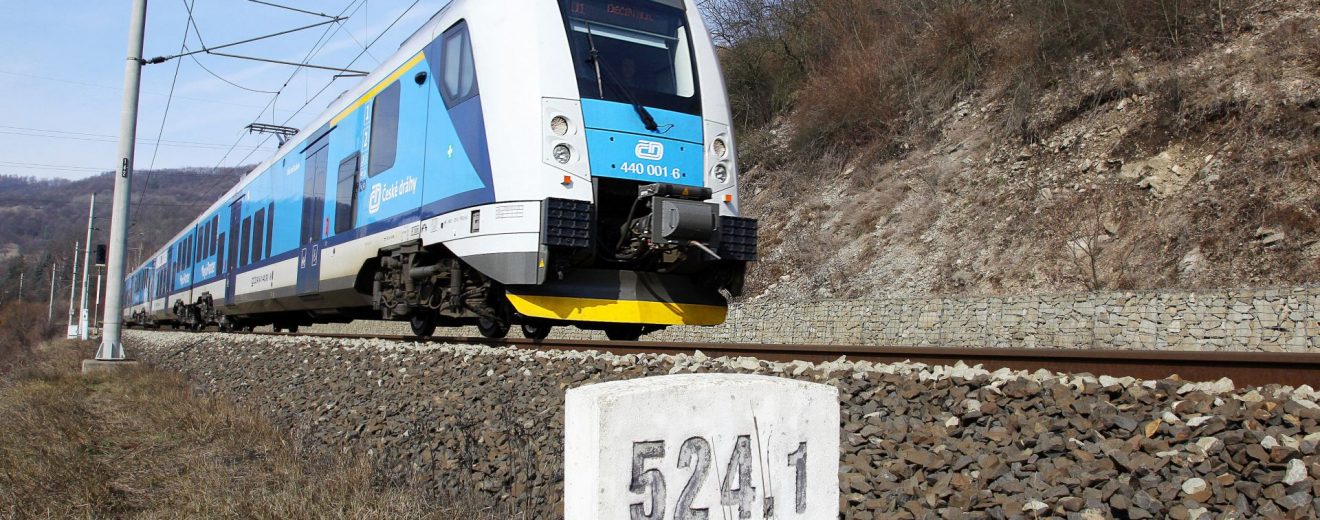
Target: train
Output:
[{"x": 530, "y": 163}]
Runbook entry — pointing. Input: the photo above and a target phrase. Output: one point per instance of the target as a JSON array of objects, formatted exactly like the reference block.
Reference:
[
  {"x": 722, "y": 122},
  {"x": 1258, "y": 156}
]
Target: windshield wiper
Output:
[{"x": 594, "y": 57}]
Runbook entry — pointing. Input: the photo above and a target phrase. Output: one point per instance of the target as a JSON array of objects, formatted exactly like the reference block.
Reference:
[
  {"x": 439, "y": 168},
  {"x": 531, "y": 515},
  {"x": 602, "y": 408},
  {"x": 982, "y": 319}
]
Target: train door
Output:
[
  {"x": 231, "y": 256},
  {"x": 313, "y": 219}
]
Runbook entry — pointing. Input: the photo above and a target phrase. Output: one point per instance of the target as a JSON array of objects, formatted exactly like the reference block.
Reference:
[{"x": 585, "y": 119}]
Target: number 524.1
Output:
[{"x": 736, "y": 485}]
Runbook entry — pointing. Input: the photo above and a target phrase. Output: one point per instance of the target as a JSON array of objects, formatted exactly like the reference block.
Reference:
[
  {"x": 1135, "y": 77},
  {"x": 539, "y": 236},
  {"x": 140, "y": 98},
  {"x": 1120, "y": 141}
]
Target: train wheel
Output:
[
  {"x": 293, "y": 329},
  {"x": 492, "y": 329},
  {"x": 423, "y": 325},
  {"x": 624, "y": 332},
  {"x": 536, "y": 331}
]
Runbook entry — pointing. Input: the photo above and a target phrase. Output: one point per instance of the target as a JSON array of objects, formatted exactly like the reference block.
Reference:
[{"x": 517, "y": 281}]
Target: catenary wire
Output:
[
  {"x": 316, "y": 47},
  {"x": 112, "y": 140},
  {"x": 155, "y": 152},
  {"x": 331, "y": 82}
]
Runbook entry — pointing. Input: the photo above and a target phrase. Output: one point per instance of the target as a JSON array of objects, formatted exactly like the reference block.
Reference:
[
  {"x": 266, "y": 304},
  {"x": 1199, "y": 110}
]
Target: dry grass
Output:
[
  {"x": 141, "y": 445},
  {"x": 22, "y": 325}
]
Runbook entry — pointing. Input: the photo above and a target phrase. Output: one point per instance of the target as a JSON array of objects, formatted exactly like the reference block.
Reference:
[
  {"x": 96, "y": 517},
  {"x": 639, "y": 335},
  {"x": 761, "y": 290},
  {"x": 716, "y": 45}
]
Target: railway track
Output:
[{"x": 1244, "y": 368}]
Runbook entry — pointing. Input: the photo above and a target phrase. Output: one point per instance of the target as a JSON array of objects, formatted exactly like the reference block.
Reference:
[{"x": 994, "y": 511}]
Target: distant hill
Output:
[{"x": 41, "y": 219}]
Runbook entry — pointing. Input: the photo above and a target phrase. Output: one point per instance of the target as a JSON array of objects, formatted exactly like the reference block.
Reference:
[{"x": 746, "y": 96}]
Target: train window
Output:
[
  {"x": 258, "y": 233},
  {"x": 460, "y": 75},
  {"x": 270, "y": 226},
  {"x": 384, "y": 130},
  {"x": 634, "y": 52},
  {"x": 346, "y": 193},
  {"x": 215, "y": 234},
  {"x": 220, "y": 254},
  {"x": 245, "y": 242}
]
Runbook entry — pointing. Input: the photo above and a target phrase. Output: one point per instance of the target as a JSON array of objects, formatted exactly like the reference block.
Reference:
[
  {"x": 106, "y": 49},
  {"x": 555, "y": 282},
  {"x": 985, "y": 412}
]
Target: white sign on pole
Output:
[{"x": 702, "y": 446}]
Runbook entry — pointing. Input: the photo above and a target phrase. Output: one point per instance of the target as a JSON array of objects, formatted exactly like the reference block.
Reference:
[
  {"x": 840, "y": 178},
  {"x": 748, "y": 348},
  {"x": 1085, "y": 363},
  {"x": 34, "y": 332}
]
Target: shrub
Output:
[
  {"x": 22, "y": 326},
  {"x": 854, "y": 71}
]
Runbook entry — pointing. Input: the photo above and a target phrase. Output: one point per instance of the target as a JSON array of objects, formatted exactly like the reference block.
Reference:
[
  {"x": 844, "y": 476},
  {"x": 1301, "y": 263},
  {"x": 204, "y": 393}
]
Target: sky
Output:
[{"x": 62, "y": 74}]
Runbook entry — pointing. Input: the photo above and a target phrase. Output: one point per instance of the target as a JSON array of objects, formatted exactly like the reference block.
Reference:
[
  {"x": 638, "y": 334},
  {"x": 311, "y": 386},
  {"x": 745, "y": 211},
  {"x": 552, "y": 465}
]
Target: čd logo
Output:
[{"x": 650, "y": 150}]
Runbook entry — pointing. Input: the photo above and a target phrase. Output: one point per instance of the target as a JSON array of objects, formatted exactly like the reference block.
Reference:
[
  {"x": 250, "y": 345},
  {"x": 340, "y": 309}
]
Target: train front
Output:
[{"x": 661, "y": 242}]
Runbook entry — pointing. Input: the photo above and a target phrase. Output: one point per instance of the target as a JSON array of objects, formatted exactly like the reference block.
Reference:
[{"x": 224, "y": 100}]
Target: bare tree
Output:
[{"x": 1098, "y": 256}]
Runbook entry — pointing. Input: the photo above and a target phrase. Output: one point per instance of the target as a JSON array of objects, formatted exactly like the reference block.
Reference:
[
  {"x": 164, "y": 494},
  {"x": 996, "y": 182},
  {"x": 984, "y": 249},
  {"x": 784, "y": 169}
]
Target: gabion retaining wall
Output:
[{"x": 1266, "y": 320}]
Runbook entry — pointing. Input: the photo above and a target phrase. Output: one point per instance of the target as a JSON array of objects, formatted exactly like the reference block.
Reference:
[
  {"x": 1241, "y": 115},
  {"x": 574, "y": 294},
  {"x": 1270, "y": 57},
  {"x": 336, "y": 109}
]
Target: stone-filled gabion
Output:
[{"x": 918, "y": 441}]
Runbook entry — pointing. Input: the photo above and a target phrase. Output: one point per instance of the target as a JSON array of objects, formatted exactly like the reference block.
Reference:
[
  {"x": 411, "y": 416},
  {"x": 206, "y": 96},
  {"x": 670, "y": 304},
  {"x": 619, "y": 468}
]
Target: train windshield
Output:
[{"x": 633, "y": 51}]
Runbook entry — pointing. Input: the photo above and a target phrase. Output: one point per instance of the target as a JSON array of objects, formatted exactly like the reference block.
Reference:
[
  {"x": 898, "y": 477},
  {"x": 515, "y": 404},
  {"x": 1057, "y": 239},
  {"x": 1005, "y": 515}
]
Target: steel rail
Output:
[{"x": 1244, "y": 368}]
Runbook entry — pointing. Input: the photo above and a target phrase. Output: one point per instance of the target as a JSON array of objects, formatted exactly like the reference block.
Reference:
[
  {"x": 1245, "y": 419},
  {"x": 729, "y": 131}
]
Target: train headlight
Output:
[
  {"x": 720, "y": 149},
  {"x": 721, "y": 173},
  {"x": 563, "y": 153},
  {"x": 559, "y": 125}
]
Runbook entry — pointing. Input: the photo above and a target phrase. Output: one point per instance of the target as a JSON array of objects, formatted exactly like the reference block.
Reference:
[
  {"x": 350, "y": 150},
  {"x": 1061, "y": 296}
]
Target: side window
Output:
[
  {"x": 258, "y": 233},
  {"x": 346, "y": 194},
  {"x": 460, "y": 76},
  {"x": 215, "y": 235},
  {"x": 270, "y": 226},
  {"x": 245, "y": 242},
  {"x": 384, "y": 130},
  {"x": 220, "y": 267}
]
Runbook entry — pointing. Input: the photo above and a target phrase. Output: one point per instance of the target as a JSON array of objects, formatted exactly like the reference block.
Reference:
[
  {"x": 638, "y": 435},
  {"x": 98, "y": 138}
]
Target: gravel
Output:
[{"x": 917, "y": 441}]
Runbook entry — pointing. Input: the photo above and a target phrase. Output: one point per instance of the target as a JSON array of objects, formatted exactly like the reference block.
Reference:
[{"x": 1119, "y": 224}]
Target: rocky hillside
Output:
[{"x": 1003, "y": 147}]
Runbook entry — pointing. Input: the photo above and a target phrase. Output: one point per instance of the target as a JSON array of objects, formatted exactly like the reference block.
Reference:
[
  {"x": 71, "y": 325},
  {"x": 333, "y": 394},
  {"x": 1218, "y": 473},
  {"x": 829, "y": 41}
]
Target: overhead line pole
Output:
[
  {"x": 87, "y": 270},
  {"x": 73, "y": 292},
  {"x": 50, "y": 304},
  {"x": 112, "y": 347},
  {"x": 96, "y": 303}
]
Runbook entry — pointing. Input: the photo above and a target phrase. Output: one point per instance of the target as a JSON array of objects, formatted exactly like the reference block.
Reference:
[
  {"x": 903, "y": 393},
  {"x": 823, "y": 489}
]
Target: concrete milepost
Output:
[
  {"x": 112, "y": 347},
  {"x": 702, "y": 447}
]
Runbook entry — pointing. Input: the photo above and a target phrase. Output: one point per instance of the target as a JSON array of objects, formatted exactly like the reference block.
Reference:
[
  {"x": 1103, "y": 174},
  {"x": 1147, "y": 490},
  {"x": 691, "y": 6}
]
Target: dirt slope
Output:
[{"x": 1137, "y": 172}]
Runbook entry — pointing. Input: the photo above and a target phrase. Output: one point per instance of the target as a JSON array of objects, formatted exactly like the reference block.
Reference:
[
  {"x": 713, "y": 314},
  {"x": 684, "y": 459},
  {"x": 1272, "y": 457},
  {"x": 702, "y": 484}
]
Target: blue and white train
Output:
[{"x": 528, "y": 162}]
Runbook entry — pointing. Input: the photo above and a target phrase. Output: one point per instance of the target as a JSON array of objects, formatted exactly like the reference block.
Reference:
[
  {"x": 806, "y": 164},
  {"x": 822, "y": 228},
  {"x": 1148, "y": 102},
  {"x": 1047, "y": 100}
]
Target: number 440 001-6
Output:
[{"x": 737, "y": 489}]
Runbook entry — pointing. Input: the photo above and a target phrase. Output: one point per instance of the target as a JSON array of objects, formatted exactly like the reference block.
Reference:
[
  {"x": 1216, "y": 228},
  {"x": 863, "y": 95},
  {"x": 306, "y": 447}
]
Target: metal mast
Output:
[
  {"x": 87, "y": 265},
  {"x": 112, "y": 347},
  {"x": 50, "y": 305},
  {"x": 73, "y": 292}
]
